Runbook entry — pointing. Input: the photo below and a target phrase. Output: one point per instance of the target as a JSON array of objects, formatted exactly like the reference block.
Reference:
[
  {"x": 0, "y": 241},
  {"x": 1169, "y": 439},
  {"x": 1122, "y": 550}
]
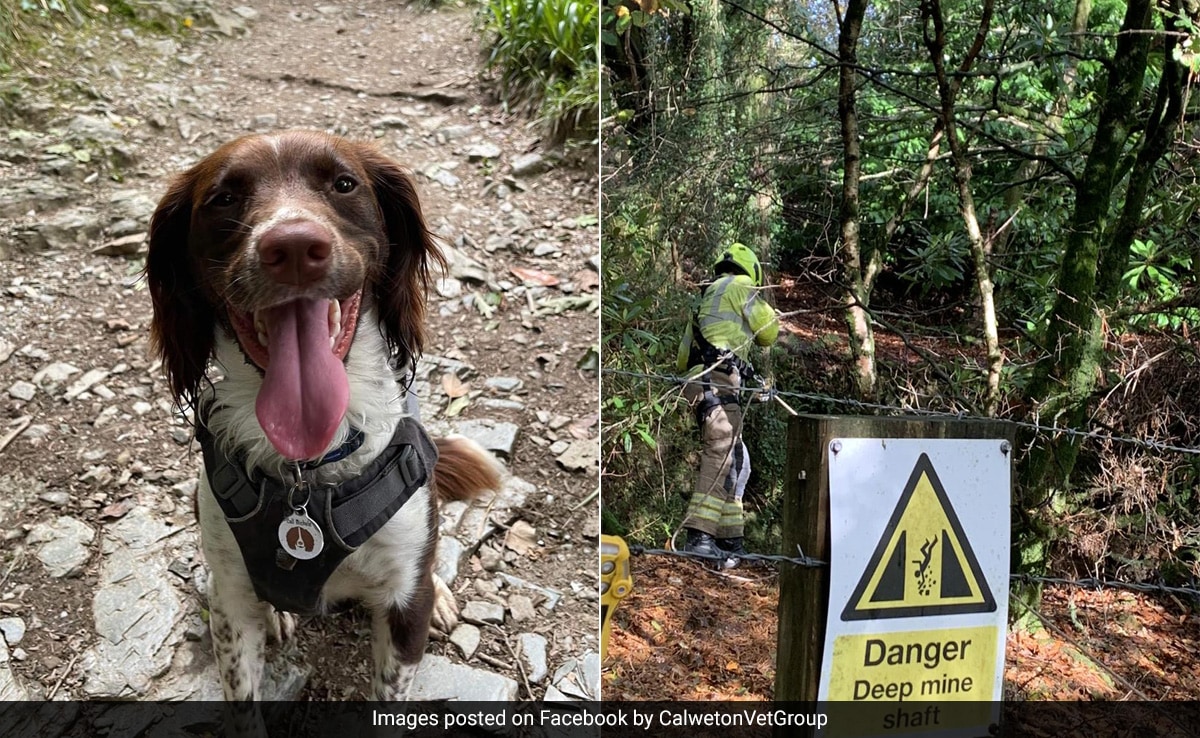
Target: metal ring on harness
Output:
[{"x": 307, "y": 496}]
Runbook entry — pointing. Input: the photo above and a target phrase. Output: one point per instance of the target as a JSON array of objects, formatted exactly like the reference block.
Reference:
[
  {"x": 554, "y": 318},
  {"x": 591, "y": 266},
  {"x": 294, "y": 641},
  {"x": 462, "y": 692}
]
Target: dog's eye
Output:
[
  {"x": 222, "y": 199},
  {"x": 344, "y": 184}
]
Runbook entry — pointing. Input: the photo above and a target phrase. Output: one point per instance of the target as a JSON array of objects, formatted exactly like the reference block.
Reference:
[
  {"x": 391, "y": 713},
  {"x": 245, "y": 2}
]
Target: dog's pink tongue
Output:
[{"x": 304, "y": 391}]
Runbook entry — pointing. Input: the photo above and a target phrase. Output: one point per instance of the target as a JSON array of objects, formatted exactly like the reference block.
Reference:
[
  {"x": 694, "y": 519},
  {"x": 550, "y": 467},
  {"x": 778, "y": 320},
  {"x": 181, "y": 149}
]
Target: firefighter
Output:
[{"x": 732, "y": 317}]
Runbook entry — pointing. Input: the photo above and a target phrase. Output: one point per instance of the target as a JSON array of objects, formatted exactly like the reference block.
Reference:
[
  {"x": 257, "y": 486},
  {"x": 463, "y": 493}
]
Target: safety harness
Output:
[
  {"x": 293, "y": 535},
  {"x": 702, "y": 352}
]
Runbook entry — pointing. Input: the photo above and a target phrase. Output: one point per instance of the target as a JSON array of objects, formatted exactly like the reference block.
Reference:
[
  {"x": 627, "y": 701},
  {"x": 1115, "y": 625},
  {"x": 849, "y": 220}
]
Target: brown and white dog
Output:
[{"x": 299, "y": 263}]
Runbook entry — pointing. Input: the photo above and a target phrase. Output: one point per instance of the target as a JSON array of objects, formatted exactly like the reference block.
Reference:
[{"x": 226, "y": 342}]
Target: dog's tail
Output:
[{"x": 464, "y": 470}]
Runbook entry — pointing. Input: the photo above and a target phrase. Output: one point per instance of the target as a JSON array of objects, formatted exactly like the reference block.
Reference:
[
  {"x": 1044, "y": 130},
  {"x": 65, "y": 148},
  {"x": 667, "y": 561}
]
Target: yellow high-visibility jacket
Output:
[{"x": 732, "y": 315}]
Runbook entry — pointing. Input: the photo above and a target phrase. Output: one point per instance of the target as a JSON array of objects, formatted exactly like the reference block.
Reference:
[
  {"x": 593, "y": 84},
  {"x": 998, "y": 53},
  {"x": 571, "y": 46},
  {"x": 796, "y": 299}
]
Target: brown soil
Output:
[{"x": 690, "y": 634}]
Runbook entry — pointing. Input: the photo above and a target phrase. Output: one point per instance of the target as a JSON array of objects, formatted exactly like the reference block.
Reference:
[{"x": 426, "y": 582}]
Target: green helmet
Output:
[{"x": 739, "y": 258}]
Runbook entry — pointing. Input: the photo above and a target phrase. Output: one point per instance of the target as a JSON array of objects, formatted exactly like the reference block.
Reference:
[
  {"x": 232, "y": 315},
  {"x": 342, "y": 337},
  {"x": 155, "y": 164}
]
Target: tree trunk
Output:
[
  {"x": 935, "y": 41},
  {"x": 858, "y": 294}
]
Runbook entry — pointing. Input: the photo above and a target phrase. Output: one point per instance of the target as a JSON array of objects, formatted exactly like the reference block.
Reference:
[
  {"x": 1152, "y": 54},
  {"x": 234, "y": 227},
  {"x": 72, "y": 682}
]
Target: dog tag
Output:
[{"x": 300, "y": 536}]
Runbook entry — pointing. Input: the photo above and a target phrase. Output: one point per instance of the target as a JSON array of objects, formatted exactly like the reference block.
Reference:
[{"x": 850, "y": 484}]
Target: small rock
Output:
[
  {"x": 19, "y": 654},
  {"x": 11, "y": 690},
  {"x": 551, "y": 596},
  {"x": 13, "y": 630},
  {"x": 464, "y": 268},
  {"x": 449, "y": 288},
  {"x": 246, "y": 12},
  {"x": 84, "y": 383},
  {"x": 139, "y": 529},
  {"x": 482, "y": 151},
  {"x": 55, "y": 373},
  {"x": 591, "y": 673},
  {"x": 439, "y": 679},
  {"x": 449, "y": 180},
  {"x": 532, "y": 649},
  {"x": 494, "y": 436},
  {"x": 195, "y": 629},
  {"x": 142, "y": 407},
  {"x": 498, "y": 404},
  {"x": 497, "y": 241},
  {"x": 522, "y": 608},
  {"x": 55, "y": 497},
  {"x": 483, "y": 612},
  {"x": 466, "y": 637},
  {"x": 389, "y": 121},
  {"x": 453, "y": 133},
  {"x": 128, "y": 245},
  {"x": 21, "y": 390},
  {"x": 180, "y": 568},
  {"x": 106, "y": 416},
  {"x": 63, "y": 550},
  {"x": 546, "y": 249},
  {"x": 490, "y": 559},
  {"x": 266, "y": 120},
  {"x": 133, "y": 205},
  {"x": 227, "y": 24},
  {"x": 449, "y": 551},
  {"x": 504, "y": 384},
  {"x": 181, "y": 436},
  {"x": 93, "y": 128},
  {"x": 559, "y": 447},
  {"x": 530, "y": 164},
  {"x": 283, "y": 680},
  {"x": 580, "y": 456},
  {"x": 65, "y": 230}
]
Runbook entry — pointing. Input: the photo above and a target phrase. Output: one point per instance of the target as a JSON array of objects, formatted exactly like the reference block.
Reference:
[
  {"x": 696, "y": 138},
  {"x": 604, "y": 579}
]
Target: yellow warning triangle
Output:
[{"x": 924, "y": 564}]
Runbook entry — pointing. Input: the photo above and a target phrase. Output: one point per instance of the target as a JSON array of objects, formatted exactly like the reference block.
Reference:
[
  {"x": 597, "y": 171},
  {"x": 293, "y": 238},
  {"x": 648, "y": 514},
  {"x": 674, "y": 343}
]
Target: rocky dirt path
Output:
[{"x": 101, "y": 578}]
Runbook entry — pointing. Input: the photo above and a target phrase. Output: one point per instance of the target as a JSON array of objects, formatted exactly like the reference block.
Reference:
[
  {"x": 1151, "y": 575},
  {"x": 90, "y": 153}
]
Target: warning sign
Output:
[
  {"x": 918, "y": 586},
  {"x": 924, "y": 563}
]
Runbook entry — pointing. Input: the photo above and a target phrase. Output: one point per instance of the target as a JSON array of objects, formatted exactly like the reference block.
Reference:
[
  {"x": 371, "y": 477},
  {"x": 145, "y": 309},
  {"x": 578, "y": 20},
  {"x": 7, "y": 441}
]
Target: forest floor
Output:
[{"x": 687, "y": 633}]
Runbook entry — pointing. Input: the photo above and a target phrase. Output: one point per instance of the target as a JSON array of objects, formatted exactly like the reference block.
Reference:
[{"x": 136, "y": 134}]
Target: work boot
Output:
[
  {"x": 734, "y": 549},
  {"x": 702, "y": 544}
]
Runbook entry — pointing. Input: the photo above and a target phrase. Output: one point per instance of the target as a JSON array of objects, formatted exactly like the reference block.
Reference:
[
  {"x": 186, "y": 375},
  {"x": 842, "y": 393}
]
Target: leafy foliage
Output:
[{"x": 545, "y": 54}]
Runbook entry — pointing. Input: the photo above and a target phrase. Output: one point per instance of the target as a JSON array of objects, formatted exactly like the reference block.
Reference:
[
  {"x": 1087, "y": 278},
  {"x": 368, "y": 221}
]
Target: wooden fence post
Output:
[{"x": 804, "y": 591}]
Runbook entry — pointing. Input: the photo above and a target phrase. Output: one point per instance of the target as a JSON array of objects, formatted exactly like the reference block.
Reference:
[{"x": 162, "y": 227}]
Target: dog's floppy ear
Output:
[
  {"x": 410, "y": 254},
  {"x": 181, "y": 333}
]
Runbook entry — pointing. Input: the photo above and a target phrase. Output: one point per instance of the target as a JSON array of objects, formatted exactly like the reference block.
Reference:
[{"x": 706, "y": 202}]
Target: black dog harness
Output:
[{"x": 293, "y": 535}]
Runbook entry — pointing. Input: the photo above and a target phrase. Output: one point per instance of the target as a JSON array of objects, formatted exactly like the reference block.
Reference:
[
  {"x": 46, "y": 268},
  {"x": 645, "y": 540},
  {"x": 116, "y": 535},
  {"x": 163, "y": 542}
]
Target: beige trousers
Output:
[{"x": 716, "y": 504}]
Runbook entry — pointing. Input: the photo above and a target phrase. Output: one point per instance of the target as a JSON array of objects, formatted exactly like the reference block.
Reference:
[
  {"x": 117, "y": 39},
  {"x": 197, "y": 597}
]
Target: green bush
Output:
[{"x": 546, "y": 56}]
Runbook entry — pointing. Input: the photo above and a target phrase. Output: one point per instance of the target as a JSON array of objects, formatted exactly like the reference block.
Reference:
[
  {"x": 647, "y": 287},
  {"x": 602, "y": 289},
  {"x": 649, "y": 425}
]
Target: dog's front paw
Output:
[
  {"x": 445, "y": 609},
  {"x": 281, "y": 626}
]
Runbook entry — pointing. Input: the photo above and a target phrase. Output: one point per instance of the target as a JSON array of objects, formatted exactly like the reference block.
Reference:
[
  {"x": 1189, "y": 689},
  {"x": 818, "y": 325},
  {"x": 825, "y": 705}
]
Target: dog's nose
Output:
[{"x": 296, "y": 252}]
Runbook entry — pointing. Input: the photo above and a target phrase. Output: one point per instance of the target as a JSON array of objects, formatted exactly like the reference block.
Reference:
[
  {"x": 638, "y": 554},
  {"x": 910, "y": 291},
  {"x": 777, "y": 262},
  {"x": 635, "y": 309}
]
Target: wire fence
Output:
[
  {"x": 768, "y": 393},
  {"x": 809, "y": 562}
]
